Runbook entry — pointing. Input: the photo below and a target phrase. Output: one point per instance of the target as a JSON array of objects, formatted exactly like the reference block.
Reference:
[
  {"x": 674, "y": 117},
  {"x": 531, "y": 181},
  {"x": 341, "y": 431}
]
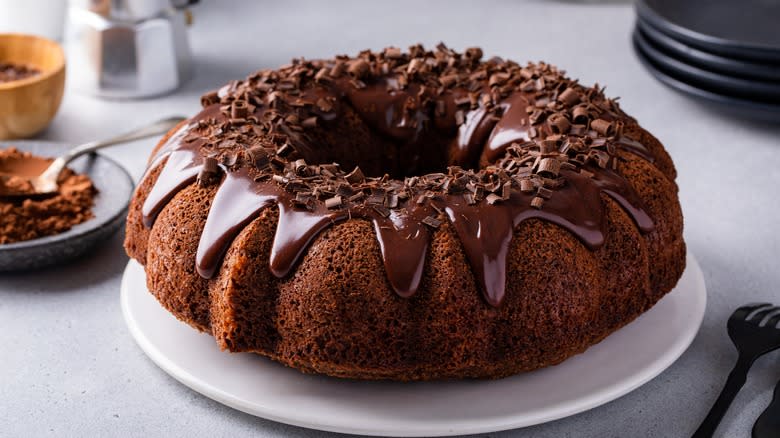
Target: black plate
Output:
[
  {"x": 115, "y": 188},
  {"x": 751, "y": 89},
  {"x": 706, "y": 60},
  {"x": 746, "y": 29},
  {"x": 733, "y": 106}
]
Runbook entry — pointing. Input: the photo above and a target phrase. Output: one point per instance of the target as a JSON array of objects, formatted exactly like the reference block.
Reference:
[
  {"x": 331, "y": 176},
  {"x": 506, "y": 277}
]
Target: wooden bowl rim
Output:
[{"x": 45, "y": 75}]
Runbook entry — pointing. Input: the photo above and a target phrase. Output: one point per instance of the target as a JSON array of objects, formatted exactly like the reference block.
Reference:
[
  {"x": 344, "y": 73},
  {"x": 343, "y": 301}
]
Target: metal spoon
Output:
[{"x": 46, "y": 182}]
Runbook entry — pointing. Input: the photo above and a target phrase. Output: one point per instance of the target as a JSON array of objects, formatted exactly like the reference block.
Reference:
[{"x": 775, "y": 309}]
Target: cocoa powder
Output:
[{"x": 31, "y": 217}]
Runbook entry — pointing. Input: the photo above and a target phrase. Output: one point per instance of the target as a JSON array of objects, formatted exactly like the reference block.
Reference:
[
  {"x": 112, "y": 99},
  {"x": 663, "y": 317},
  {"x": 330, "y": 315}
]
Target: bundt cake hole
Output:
[{"x": 379, "y": 157}]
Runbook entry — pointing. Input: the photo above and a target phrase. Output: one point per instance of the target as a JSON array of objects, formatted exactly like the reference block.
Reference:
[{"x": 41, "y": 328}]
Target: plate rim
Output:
[
  {"x": 742, "y": 68},
  {"x": 703, "y": 41},
  {"x": 751, "y": 88},
  {"x": 76, "y": 231},
  {"x": 593, "y": 400}
]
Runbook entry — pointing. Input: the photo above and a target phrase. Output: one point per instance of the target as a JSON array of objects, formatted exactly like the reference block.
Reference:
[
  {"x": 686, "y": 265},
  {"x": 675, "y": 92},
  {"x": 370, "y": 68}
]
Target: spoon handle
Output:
[
  {"x": 734, "y": 383},
  {"x": 158, "y": 128},
  {"x": 47, "y": 182},
  {"x": 768, "y": 424}
]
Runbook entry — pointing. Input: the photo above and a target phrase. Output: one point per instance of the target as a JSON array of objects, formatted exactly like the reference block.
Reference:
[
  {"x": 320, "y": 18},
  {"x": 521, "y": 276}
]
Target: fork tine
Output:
[
  {"x": 745, "y": 311},
  {"x": 773, "y": 319},
  {"x": 759, "y": 315},
  {"x": 762, "y": 318}
]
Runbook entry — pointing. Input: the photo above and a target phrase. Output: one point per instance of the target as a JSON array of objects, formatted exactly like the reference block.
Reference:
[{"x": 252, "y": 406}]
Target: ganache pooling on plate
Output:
[{"x": 408, "y": 141}]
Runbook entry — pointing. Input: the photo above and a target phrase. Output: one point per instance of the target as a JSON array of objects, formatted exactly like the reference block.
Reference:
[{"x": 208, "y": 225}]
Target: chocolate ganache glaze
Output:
[{"x": 445, "y": 136}]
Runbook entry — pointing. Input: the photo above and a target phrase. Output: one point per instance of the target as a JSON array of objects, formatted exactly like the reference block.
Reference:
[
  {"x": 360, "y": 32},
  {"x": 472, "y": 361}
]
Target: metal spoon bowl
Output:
[{"x": 46, "y": 183}]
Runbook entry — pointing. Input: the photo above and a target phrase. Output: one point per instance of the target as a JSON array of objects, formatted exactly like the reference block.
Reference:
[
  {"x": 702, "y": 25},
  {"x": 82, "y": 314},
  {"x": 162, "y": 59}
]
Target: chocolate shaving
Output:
[
  {"x": 323, "y": 75},
  {"x": 381, "y": 210},
  {"x": 356, "y": 176},
  {"x": 492, "y": 198},
  {"x": 432, "y": 221},
  {"x": 324, "y": 105},
  {"x": 393, "y": 53},
  {"x": 285, "y": 150},
  {"x": 544, "y": 192},
  {"x": 359, "y": 68},
  {"x": 209, "y": 98},
  {"x": 460, "y": 118},
  {"x": 230, "y": 159}
]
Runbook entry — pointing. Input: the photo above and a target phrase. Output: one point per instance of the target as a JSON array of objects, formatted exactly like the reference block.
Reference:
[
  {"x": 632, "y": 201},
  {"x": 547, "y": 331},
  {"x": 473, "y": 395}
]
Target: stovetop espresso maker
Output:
[{"x": 128, "y": 48}]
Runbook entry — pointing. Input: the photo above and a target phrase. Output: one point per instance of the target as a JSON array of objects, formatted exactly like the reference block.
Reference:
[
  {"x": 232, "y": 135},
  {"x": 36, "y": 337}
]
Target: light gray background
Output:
[{"x": 70, "y": 368}]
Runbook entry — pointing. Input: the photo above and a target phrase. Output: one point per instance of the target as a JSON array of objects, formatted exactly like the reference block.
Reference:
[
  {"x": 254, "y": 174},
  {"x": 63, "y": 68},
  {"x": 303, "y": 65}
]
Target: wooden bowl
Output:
[{"x": 28, "y": 105}]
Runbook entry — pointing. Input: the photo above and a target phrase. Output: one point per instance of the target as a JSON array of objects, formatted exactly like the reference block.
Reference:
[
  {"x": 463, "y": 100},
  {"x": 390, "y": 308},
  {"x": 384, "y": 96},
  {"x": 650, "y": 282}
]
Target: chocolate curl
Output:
[
  {"x": 323, "y": 75},
  {"x": 559, "y": 124},
  {"x": 239, "y": 110},
  {"x": 259, "y": 156},
  {"x": 549, "y": 165},
  {"x": 300, "y": 166},
  {"x": 497, "y": 79},
  {"x": 580, "y": 115},
  {"x": 338, "y": 69},
  {"x": 415, "y": 65},
  {"x": 393, "y": 53},
  {"x": 569, "y": 97},
  {"x": 448, "y": 80},
  {"x": 208, "y": 173},
  {"x": 603, "y": 127},
  {"x": 548, "y": 146},
  {"x": 356, "y": 176},
  {"x": 324, "y": 105},
  {"x": 474, "y": 53},
  {"x": 334, "y": 202},
  {"x": 209, "y": 98}
]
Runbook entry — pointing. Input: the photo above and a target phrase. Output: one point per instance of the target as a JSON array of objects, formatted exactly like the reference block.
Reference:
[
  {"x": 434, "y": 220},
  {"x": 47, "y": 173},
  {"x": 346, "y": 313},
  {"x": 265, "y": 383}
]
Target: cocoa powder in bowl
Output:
[
  {"x": 15, "y": 72},
  {"x": 25, "y": 218}
]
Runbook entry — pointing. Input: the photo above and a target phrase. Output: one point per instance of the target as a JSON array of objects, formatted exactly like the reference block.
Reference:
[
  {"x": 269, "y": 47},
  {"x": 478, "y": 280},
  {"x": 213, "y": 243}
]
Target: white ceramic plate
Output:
[{"x": 250, "y": 383}]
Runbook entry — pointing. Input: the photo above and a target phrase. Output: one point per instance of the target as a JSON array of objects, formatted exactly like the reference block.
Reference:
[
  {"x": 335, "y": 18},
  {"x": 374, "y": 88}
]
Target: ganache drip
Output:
[{"x": 540, "y": 146}]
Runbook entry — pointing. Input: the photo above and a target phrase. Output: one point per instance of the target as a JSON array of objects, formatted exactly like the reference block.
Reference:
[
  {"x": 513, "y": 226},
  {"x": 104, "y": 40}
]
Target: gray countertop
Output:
[{"x": 70, "y": 367}]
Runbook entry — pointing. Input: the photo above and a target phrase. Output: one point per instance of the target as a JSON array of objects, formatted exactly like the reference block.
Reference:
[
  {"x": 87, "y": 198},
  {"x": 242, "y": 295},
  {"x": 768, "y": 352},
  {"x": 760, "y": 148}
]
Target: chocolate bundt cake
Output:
[{"x": 408, "y": 215}]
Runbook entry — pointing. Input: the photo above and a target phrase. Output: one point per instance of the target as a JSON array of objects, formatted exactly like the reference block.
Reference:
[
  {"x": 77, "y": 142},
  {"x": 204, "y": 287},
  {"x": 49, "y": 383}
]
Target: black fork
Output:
[
  {"x": 768, "y": 424},
  {"x": 753, "y": 329}
]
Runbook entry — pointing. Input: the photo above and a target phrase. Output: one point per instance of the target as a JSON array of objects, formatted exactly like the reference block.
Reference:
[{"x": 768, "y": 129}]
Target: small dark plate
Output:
[
  {"x": 745, "y": 29},
  {"x": 706, "y": 60},
  {"x": 752, "y": 89},
  {"x": 737, "y": 107},
  {"x": 115, "y": 188}
]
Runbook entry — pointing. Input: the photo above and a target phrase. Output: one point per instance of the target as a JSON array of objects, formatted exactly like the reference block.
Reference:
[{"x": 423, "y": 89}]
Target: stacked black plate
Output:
[{"x": 724, "y": 52}]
